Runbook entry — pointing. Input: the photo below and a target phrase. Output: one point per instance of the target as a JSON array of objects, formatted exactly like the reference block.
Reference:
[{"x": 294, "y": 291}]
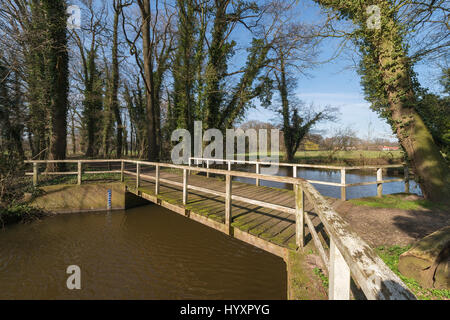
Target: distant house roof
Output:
[{"x": 387, "y": 148}]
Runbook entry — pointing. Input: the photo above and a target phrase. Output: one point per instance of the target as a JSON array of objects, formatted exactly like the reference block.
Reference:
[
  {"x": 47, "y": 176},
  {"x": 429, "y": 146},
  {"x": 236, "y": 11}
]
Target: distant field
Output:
[
  {"x": 359, "y": 157},
  {"x": 350, "y": 154}
]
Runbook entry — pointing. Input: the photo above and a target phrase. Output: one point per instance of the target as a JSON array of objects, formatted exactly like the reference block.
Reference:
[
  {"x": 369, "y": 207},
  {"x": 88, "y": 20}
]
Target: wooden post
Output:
[
  {"x": 406, "y": 172},
  {"x": 185, "y": 187},
  {"x": 157, "y": 181},
  {"x": 380, "y": 185},
  {"x": 35, "y": 174},
  {"x": 300, "y": 215},
  {"x": 294, "y": 169},
  {"x": 190, "y": 159},
  {"x": 207, "y": 167},
  {"x": 339, "y": 275},
  {"x": 229, "y": 165},
  {"x": 138, "y": 176},
  {"x": 343, "y": 183},
  {"x": 228, "y": 214},
  {"x": 122, "y": 170},
  {"x": 79, "y": 173},
  {"x": 258, "y": 171}
]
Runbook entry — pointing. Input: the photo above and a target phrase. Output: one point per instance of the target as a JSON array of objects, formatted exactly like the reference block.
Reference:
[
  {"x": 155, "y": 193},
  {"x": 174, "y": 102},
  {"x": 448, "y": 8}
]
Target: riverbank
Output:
[
  {"x": 19, "y": 213},
  {"x": 400, "y": 219},
  {"x": 346, "y": 158},
  {"x": 81, "y": 198},
  {"x": 392, "y": 224},
  {"x": 61, "y": 194}
]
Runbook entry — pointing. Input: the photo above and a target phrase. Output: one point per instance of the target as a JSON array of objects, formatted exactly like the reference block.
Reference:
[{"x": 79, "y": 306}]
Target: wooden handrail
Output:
[
  {"x": 343, "y": 184},
  {"x": 349, "y": 255},
  {"x": 300, "y": 165}
]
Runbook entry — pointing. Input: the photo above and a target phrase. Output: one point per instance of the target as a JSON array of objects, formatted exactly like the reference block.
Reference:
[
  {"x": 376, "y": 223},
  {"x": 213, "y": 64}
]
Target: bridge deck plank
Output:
[{"x": 271, "y": 225}]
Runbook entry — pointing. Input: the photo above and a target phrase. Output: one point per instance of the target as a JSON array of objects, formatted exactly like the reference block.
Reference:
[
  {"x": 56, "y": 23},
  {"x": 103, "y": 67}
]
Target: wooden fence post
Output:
[
  {"x": 258, "y": 171},
  {"x": 228, "y": 213},
  {"x": 122, "y": 171},
  {"x": 295, "y": 174},
  {"x": 229, "y": 165},
  {"x": 207, "y": 167},
  {"x": 157, "y": 174},
  {"x": 80, "y": 165},
  {"x": 185, "y": 187},
  {"x": 339, "y": 275},
  {"x": 380, "y": 185},
  {"x": 300, "y": 215},
  {"x": 35, "y": 174},
  {"x": 343, "y": 183},
  {"x": 138, "y": 176},
  {"x": 406, "y": 172}
]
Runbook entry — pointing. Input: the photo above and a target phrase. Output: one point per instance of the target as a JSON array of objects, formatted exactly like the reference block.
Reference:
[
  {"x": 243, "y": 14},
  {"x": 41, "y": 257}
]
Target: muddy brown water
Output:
[{"x": 142, "y": 253}]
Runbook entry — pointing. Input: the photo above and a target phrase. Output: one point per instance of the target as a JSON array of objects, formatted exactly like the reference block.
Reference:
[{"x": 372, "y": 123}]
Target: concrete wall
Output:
[{"x": 85, "y": 198}]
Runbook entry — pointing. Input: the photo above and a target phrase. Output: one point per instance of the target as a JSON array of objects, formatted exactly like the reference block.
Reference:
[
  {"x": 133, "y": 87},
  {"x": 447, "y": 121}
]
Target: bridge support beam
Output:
[
  {"x": 339, "y": 275},
  {"x": 185, "y": 186},
  {"x": 228, "y": 197},
  {"x": 258, "y": 171},
  {"x": 343, "y": 183},
  {"x": 35, "y": 174},
  {"x": 157, "y": 182},
  {"x": 122, "y": 171},
  {"x": 299, "y": 216},
  {"x": 406, "y": 170},
  {"x": 380, "y": 185},
  {"x": 138, "y": 176},
  {"x": 80, "y": 168}
]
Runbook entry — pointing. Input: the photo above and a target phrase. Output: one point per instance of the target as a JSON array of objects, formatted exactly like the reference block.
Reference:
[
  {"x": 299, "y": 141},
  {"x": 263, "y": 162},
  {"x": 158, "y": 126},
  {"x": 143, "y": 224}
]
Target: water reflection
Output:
[
  {"x": 335, "y": 176},
  {"x": 143, "y": 253}
]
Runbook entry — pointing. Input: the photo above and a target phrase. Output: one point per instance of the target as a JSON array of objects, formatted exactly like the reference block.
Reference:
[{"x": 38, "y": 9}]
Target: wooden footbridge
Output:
[{"x": 275, "y": 220}]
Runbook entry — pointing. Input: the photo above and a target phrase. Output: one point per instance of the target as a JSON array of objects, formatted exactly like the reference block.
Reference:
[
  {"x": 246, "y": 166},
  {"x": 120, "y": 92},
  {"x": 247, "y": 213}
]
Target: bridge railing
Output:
[
  {"x": 343, "y": 171},
  {"x": 349, "y": 256}
]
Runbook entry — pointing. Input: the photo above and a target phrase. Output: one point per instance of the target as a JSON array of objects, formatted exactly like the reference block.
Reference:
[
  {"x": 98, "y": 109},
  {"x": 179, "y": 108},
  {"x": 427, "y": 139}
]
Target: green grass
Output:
[
  {"x": 73, "y": 179},
  {"x": 391, "y": 255},
  {"x": 318, "y": 272},
  {"x": 360, "y": 157},
  {"x": 396, "y": 201},
  {"x": 18, "y": 213},
  {"x": 357, "y": 154}
]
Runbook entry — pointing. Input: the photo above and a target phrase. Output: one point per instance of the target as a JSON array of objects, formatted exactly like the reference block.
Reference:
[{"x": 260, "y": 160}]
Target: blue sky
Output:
[{"x": 337, "y": 84}]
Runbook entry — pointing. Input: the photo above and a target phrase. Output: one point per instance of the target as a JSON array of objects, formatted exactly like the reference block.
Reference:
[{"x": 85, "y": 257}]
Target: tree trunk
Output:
[
  {"x": 57, "y": 67},
  {"x": 115, "y": 83},
  {"x": 424, "y": 156},
  {"x": 387, "y": 76},
  {"x": 153, "y": 149}
]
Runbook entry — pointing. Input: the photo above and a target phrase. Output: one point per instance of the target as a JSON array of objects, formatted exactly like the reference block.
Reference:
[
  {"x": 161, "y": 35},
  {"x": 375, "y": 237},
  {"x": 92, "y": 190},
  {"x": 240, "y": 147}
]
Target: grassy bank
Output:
[
  {"x": 347, "y": 158},
  {"x": 398, "y": 201},
  {"x": 391, "y": 255},
  {"x": 18, "y": 213},
  {"x": 73, "y": 179}
]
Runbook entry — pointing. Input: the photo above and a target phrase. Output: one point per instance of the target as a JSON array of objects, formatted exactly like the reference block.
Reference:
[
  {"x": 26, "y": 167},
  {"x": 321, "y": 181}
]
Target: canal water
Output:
[
  {"x": 143, "y": 253},
  {"x": 335, "y": 176}
]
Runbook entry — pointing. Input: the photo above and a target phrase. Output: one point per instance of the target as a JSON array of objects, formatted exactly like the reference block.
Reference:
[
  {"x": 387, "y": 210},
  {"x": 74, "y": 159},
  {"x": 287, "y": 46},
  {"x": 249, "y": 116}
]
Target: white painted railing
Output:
[
  {"x": 349, "y": 256},
  {"x": 343, "y": 170}
]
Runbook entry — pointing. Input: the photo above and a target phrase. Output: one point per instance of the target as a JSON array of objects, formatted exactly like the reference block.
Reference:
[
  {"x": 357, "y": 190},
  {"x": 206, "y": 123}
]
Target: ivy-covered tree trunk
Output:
[
  {"x": 388, "y": 83},
  {"x": 184, "y": 69},
  {"x": 35, "y": 79},
  {"x": 147, "y": 46},
  {"x": 216, "y": 69},
  {"x": 115, "y": 81},
  {"x": 288, "y": 133},
  {"x": 57, "y": 60}
]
